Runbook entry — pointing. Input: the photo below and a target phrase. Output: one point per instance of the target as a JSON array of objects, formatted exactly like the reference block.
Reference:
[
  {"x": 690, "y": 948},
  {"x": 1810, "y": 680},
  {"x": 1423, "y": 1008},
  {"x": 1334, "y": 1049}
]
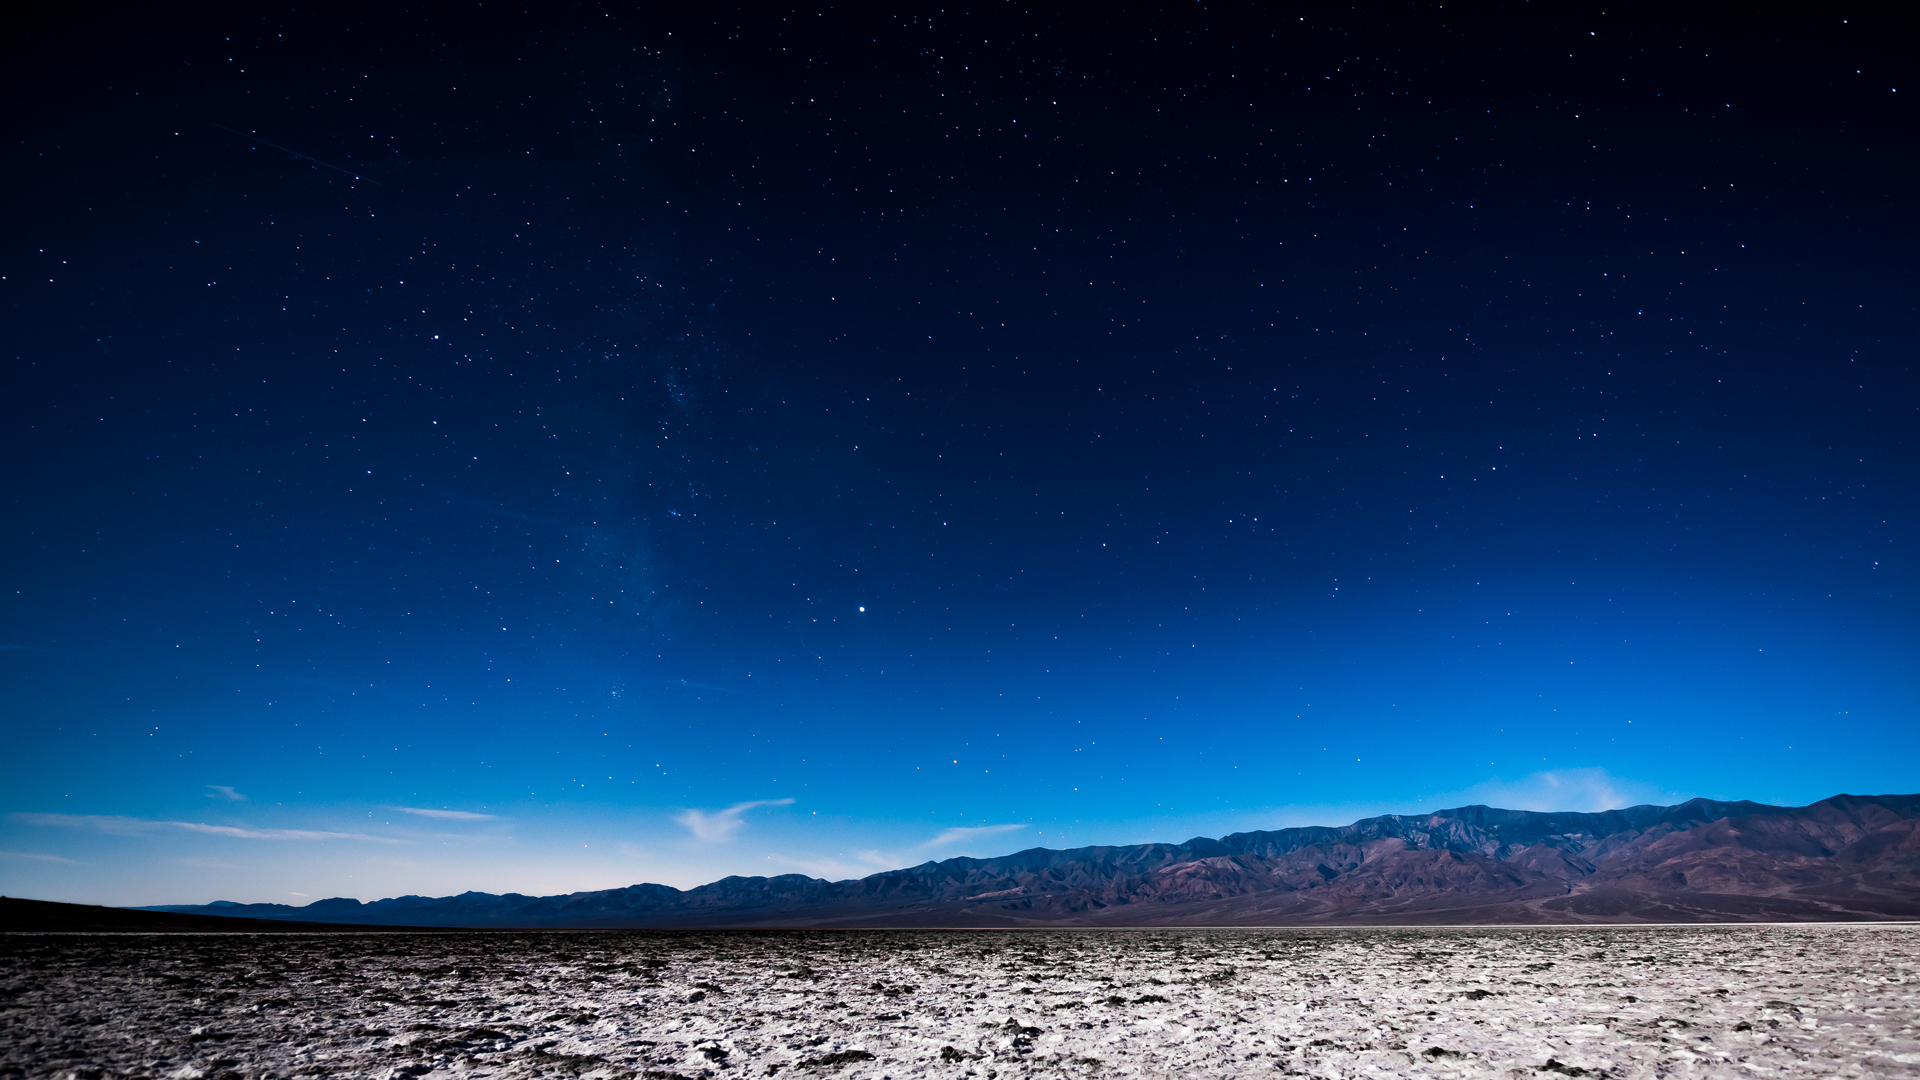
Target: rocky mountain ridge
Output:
[{"x": 1847, "y": 857}]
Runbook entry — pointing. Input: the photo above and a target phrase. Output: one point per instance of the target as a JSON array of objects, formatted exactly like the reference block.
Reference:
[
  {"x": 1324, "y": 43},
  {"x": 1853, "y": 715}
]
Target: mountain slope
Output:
[{"x": 1848, "y": 857}]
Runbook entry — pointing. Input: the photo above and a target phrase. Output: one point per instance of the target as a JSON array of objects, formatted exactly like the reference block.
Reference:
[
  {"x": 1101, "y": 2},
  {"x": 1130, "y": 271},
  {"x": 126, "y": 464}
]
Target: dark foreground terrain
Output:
[
  {"x": 1845, "y": 858},
  {"x": 1789, "y": 1001}
]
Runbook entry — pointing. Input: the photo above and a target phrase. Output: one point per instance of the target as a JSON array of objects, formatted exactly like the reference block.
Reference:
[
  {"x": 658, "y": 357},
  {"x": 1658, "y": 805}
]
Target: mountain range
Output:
[{"x": 1850, "y": 857}]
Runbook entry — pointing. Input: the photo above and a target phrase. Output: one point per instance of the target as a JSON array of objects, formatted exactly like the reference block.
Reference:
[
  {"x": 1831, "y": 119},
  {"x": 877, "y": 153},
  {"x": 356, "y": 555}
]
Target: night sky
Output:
[{"x": 476, "y": 448}]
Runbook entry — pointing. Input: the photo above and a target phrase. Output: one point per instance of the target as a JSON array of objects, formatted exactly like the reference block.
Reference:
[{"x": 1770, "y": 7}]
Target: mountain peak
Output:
[{"x": 1846, "y": 857}]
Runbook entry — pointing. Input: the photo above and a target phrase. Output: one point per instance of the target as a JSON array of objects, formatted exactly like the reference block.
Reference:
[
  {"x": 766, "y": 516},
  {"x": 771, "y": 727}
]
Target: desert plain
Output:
[{"x": 1613, "y": 1001}]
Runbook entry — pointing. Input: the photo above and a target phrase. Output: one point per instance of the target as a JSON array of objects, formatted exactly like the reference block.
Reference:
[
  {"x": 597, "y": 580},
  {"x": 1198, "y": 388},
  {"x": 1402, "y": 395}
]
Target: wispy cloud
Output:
[
  {"x": 121, "y": 826},
  {"x": 132, "y": 826},
  {"x": 839, "y": 868},
  {"x": 1586, "y": 790},
  {"x": 268, "y": 834},
  {"x": 965, "y": 834},
  {"x": 447, "y": 815},
  {"x": 720, "y": 826},
  {"x": 221, "y": 791},
  {"x": 858, "y": 864},
  {"x": 39, "y": 856}
]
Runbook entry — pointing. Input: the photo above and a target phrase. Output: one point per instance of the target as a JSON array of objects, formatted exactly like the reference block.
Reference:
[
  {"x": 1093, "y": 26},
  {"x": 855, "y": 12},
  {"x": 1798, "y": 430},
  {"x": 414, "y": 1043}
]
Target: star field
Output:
[{"x": 778, "y": 440}]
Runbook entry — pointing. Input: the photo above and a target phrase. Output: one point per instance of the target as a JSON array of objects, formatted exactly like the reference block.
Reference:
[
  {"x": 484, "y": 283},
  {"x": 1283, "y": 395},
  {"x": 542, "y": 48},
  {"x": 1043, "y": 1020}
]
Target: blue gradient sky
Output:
[{"x": 665, "y": 461}]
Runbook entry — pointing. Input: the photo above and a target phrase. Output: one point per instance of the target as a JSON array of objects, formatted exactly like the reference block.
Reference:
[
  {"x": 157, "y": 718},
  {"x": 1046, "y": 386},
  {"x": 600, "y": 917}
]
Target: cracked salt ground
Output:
[{"x": 1549, "y": 1002}]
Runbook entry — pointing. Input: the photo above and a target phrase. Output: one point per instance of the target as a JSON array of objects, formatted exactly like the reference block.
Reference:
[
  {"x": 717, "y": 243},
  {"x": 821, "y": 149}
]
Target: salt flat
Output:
[{"x": 1747, "y": 1001}]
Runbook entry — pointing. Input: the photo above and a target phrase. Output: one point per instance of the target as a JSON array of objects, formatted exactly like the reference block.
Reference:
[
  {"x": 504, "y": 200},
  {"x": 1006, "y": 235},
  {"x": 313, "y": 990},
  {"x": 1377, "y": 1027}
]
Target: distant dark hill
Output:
[
  {"x": 1849, "y": 858},
  {"x": 49, "y": 917}
]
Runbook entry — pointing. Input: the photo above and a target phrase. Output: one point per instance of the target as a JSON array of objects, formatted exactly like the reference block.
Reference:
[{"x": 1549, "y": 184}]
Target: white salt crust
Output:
[{"x": 1746, "y": 1001}]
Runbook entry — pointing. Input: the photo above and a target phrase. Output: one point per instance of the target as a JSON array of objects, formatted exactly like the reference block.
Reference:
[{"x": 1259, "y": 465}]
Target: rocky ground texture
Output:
[{"x": 1644, "y": 1001}]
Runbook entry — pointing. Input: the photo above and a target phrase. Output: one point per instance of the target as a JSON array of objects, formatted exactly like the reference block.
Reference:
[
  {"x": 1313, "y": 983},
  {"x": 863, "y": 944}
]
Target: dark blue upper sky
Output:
[{"x": 473, "y": 448}]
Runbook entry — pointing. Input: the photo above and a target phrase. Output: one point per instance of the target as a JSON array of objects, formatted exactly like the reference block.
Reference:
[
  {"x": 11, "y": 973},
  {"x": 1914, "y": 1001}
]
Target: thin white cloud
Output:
[
  {"x": 121, "y": 826},
  {"x": 858, "y": 864},
  {"x": 40, "y": 856},
  {"x": 447, "y": 815},
  {"x": 969, "y": 833},
  {"x": 268, "y": 834},
  {"x": 862, "y": 864},
  {"x": 222, "y": 791},
  {"x": 132, "y": 826},
  {"x": 1586, "y": 790},
  {"x": 720, "y": 826}
]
